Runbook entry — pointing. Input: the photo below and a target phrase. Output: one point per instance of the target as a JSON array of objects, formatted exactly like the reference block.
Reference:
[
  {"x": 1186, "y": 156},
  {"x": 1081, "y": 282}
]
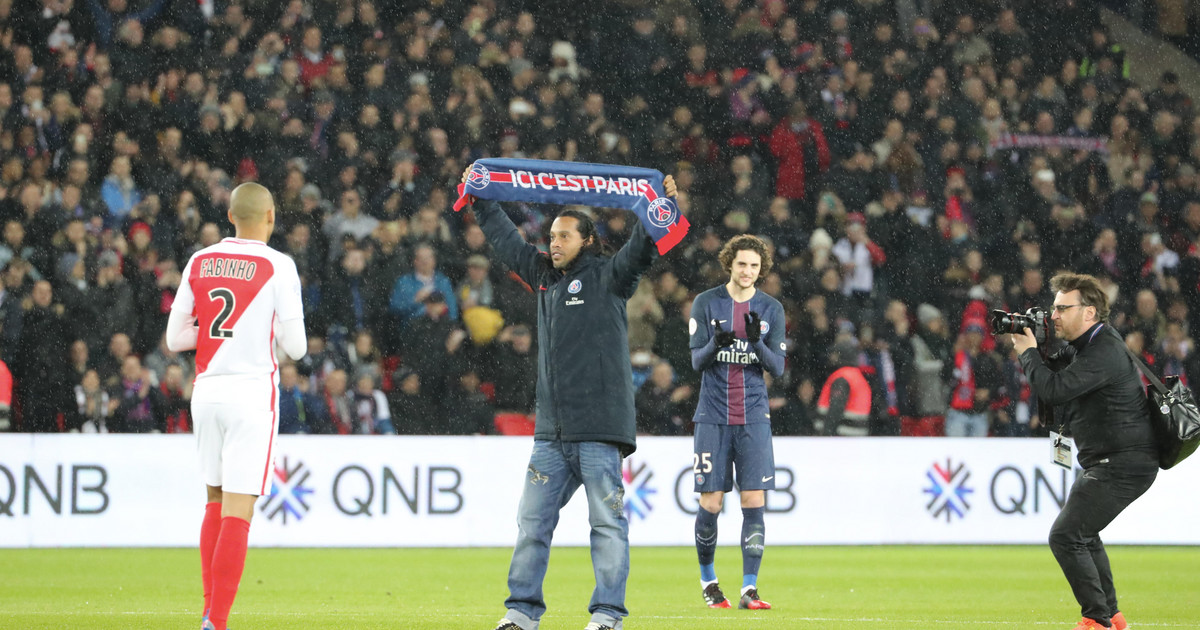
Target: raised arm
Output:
[
  {"x": 631, "y": 261},
  {"x": 636, "y": 256},
  {"x": 506, "y": 240}
]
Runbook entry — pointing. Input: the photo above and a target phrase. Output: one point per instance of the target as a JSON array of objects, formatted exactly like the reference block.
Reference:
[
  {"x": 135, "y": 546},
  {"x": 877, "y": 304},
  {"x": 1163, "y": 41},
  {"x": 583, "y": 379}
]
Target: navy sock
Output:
[
  {"x": 706, "y": 543},
  {"x": 753, "y": 542}
]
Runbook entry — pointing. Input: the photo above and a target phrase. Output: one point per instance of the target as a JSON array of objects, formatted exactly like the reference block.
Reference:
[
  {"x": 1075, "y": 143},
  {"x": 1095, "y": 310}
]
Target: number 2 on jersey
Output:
[{"x": 226, "y": 296}]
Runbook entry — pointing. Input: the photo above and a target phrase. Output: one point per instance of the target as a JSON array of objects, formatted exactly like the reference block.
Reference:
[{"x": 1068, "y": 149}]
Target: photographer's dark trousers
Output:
[{"x": 1097, "y": 497}]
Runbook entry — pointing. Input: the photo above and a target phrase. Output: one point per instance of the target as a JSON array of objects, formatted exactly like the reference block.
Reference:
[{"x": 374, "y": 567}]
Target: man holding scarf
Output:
[{"x": 585, "y": 402}]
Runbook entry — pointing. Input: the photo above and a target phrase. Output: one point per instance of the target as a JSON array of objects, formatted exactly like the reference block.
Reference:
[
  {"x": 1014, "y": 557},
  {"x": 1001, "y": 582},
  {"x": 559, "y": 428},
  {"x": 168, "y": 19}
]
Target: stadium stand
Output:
[{"x": 912, "y": 170}]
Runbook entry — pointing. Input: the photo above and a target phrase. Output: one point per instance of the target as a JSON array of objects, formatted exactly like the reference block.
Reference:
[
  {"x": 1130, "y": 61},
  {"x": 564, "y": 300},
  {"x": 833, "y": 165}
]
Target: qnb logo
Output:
[
  {"x": 289, "y": 494},
  {"x": 948, "y": 490},
  {"x": 479, "y": 177},
  {"x": 661, "y": 212},
  {"x": 638, "y": 491}
]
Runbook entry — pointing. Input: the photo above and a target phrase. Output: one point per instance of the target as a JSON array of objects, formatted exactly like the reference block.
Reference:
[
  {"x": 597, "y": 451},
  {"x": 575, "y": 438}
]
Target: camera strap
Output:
[{"x": 1150, "y": 377}]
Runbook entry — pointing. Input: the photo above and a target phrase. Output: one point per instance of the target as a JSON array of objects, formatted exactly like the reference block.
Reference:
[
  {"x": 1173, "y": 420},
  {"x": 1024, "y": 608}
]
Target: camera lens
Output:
[{"x": 1010, "y": 323}]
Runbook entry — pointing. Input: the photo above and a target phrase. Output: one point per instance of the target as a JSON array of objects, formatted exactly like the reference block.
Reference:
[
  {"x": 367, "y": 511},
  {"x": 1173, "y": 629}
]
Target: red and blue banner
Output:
[{"x": 639, "y": 190}]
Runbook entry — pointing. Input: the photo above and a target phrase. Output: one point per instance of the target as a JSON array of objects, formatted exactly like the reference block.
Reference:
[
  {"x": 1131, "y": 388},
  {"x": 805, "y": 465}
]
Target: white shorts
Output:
[{"x": 237, "y": 445}]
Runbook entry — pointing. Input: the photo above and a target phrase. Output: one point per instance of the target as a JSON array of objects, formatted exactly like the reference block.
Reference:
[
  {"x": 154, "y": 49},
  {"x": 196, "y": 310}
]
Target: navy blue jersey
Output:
[{"x": 732, "y": 390}]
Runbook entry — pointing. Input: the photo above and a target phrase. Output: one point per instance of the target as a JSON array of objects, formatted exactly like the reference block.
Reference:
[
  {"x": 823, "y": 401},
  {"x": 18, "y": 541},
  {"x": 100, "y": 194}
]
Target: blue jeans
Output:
[
  {"x": 556, "y": 470},
  {"x": 962, "y": 424}
]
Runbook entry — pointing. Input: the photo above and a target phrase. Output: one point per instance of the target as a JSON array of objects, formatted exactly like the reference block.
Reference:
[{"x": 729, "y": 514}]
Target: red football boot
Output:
[{"x": 750, "y": 601}]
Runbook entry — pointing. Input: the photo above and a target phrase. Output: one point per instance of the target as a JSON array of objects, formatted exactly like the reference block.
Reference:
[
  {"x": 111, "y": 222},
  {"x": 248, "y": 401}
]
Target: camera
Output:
[{"x": 1036, "y": 319}]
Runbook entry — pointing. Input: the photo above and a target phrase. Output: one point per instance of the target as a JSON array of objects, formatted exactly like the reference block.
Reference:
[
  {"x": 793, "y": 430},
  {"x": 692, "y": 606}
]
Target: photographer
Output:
[{"x": 1097, "y": 394}]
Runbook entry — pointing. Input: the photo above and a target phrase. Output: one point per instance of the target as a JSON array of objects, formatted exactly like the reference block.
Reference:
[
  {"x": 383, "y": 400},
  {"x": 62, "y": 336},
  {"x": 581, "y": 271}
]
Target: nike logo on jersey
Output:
[{"x": 766, "y": 479}]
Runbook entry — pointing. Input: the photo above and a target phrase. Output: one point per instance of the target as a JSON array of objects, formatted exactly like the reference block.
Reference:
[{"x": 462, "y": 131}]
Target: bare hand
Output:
[
  {"x": 1024, "y": 341},
  {"x": 669, "y": 186}
]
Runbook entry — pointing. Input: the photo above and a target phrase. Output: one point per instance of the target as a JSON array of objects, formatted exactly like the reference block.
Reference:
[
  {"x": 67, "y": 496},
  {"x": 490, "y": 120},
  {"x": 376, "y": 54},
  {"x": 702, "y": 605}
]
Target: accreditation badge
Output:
[{"x": 1064, "y": 450}]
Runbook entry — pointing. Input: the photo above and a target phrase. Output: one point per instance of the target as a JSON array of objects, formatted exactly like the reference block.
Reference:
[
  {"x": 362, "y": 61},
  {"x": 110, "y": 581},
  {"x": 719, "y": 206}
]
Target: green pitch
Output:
[{"x": 860, "y": 588}]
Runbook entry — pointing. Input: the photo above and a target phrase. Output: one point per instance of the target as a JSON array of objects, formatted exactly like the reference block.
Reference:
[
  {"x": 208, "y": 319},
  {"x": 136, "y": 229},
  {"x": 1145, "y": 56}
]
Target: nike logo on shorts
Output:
[{"x": 766, "y": 479}]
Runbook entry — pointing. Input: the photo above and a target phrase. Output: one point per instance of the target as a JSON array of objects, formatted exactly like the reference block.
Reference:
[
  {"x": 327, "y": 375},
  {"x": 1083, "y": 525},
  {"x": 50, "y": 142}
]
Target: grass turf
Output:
[{"x": 868, "y": 588}]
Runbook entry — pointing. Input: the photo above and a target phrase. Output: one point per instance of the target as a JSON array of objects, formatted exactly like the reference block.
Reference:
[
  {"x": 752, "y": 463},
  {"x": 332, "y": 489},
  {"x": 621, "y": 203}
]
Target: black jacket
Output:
[
  {"x": 585, "y": 382},
  {"x": 1099, "y": 396}
]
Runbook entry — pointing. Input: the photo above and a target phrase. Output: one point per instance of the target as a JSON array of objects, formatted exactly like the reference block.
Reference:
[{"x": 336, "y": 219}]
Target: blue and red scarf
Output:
[{"x": 639, "y": 190}]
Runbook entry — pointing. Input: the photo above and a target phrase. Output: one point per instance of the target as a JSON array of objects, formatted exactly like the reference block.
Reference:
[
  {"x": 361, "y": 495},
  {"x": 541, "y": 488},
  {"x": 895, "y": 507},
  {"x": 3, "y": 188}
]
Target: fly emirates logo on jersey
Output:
[{"x": 739, "y": 353}]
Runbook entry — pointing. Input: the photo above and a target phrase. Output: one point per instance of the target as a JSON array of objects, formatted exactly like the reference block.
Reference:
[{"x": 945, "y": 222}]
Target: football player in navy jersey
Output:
[{"x": 736, "y": 332}]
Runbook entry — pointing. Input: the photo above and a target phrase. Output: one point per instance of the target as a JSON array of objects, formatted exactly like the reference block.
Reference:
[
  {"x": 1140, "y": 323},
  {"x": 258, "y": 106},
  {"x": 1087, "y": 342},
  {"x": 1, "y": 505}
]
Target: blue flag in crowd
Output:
[{"x": 639, "y": 190}]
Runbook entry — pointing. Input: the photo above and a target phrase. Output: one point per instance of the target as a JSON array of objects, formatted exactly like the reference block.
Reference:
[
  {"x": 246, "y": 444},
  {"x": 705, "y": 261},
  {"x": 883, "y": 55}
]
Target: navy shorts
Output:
[{"x": 719, "y": 448}]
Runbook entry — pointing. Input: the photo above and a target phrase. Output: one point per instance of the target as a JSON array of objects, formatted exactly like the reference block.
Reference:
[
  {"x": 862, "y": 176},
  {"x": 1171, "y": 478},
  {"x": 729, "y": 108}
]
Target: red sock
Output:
[
  {"x": 228, "y": 561},
  {"x": 209, "y": 530}
]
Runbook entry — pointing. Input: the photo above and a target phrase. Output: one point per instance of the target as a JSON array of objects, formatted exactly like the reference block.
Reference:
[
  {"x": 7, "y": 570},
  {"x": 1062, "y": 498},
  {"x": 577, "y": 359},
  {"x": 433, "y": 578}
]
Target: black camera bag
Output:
[{"x": 1174, "y": 414}]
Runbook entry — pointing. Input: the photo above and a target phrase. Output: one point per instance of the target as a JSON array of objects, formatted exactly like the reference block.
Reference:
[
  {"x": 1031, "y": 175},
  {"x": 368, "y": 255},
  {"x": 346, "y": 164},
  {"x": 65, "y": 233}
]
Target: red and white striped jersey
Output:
[{"x": 237, "y": 289}]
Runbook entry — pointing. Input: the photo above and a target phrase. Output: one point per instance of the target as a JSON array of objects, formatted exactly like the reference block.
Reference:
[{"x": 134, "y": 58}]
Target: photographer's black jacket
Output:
[
  {"x": 585, "y": 380},
  {"x": 1099, "y": 396}
]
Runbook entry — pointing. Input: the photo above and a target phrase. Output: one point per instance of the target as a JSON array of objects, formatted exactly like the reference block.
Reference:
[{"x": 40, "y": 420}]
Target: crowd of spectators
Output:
[{"x": 911, "y": 168}]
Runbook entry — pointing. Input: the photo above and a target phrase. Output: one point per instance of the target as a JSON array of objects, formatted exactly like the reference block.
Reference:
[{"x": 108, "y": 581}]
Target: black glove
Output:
[
  {"x": 723, "y": 338},
  {"x": 753, "y": 327}
]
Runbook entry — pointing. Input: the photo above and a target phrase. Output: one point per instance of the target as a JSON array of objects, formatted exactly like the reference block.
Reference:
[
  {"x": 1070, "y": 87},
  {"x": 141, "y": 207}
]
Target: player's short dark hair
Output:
[
  {"x": 1090, "y": 291},
  {"x": 746, "y": 242}
]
